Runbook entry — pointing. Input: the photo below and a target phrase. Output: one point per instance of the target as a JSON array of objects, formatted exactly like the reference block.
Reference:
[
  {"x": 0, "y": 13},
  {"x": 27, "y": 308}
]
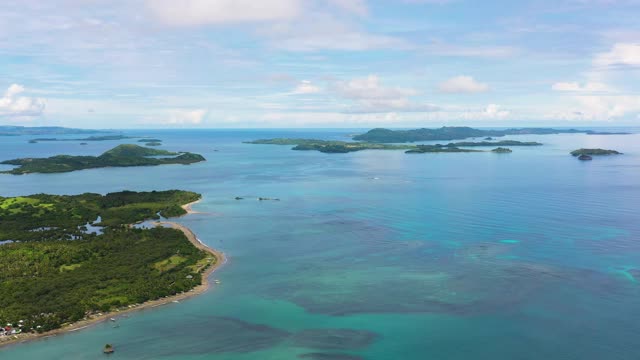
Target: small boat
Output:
[
  {"x": 108, "y": 349},
  {"x": 112, "y": 319},
  {"x": 175, "y": 301},
  {"x": 216, "y": 281}
]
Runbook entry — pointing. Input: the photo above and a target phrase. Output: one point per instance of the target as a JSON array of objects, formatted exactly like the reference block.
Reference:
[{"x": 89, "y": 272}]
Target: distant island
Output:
[
  {"x": 592, "y": 152},
  {"x": 149, "y": 140},
  {"x": 329, "y": 146},
  {"x": 502, "y": 150},
  {"x": 421, "y": 149},
  {"x": 496, "y": 143},
  {"x": 381, "y": 135},
  {"x": 121, "y": 156},
  {"x": 72, "y": 258},
  {"x": 90, "y": 138},
  {"x": 43, "y": 130}
]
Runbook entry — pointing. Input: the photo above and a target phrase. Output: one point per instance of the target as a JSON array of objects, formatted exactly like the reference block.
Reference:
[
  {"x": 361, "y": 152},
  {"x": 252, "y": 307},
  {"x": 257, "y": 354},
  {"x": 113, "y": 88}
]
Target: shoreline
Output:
[{"x": 220, "y": 259}]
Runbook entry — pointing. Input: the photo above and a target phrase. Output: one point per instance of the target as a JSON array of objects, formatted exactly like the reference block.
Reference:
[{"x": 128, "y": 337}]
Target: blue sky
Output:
[{"x": 319, "y": 63}]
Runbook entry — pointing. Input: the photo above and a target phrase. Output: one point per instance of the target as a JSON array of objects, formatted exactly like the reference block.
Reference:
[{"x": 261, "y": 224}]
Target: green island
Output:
[
  {"x": 422, "y": 149},
  {"x": 121, "y": 156},
  {"x": 501, "y": 150},
  {"x": 381, "y": 135},
  {"x": 590, "y": 152},
  {"x": 90, "y": 138},
  {"x": 146, "y": 140},
  {"x": 57, "y": 269},
  {"x": 328, "y": 146},
  {"x": 496, "y": 143},
  {"x": 153, "y": 143}
]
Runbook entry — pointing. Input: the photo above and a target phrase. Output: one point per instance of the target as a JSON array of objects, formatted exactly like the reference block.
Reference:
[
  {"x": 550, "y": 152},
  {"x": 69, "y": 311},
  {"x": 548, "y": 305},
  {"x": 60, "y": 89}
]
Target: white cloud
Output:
[
  {"x": 577, "y": 87},
  {"x": 202, "y": 12},
  {"x": 622, "y": 54},
  {"x": 306, "y": 87},
  {"x": 493, "y": 111},
  {"x": 608, "y": 107},
  {"x": 185, "y": 117},
  {"x": 358, "y": 7},
  {"x": 369, "y": 95},
  {"x": 370, "y": 87},
  {"x": 13, "y": 105},
  {"x": 373, "y": 106},
  {"x": 463, "y": 84}
]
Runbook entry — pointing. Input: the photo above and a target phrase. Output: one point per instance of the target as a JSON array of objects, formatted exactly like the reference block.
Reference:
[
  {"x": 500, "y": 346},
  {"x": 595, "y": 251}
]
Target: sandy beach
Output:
[{"x": 220, "y": 260}]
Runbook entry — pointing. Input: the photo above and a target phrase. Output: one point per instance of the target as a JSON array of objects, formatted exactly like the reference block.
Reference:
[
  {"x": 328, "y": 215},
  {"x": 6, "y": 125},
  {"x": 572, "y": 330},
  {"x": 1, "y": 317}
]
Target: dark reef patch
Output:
[
  {"x": 329, "y": 356},
  {"x": 334, "y": 339}
]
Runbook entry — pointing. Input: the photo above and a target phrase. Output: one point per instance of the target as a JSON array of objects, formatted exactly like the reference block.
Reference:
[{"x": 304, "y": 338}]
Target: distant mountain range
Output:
[
  {"x": 460, "y": 132},
  {"x": 8, "y": 130}
]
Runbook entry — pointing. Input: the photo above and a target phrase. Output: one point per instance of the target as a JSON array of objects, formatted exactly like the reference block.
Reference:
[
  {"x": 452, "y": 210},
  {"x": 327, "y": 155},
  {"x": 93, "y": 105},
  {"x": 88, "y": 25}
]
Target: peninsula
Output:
[
  {"x": 381, "y": 135},
  {"x": 121, "y": 156},
  {"x": 74, "y": 260}
]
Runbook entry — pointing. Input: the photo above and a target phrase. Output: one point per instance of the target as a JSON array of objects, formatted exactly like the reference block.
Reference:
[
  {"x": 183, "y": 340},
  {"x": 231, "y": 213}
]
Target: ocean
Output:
[{"x": 380, "y": 255}]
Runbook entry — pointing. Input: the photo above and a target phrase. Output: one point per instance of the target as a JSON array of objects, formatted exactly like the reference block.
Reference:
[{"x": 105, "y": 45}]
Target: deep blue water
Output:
[{"x": 381, "y": 254}]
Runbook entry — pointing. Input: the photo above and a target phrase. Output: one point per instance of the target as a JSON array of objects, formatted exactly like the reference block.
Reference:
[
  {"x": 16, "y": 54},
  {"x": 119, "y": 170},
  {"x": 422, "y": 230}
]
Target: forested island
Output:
[
  {"x": 456, "y": 133},
  {"x": 55, "y": 272},
  {"x": 328, "y": 146},
  {"x": 421, "y": 149},
  {"x": 121, "y": 156},
  {"x": 591, "y": 152}
]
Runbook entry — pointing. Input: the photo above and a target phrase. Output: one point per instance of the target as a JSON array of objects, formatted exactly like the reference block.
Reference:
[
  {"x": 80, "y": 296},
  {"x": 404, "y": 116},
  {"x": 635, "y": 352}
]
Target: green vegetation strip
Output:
[{"x": 56, "y": 273}]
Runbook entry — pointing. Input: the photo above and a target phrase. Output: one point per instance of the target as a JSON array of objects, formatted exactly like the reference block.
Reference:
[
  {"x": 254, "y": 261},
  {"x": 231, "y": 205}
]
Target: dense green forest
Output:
[
  {"x": 55, "y": 272},
  {"x": 120, "y": 156}
]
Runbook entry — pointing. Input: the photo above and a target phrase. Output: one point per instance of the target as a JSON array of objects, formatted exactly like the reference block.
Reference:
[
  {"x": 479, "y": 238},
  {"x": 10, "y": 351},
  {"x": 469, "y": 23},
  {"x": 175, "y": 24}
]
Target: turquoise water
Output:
[{"x": 382, "y": 255}]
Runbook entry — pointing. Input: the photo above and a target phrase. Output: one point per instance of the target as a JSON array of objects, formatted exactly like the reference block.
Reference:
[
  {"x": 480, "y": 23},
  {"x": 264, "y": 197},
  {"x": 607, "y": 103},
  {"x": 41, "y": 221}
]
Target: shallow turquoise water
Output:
[{"x": 380, "y": 254}]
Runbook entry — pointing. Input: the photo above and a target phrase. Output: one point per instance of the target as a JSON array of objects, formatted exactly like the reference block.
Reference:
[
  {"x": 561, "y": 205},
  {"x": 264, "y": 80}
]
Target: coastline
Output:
[{"x": 220, "y": 259}]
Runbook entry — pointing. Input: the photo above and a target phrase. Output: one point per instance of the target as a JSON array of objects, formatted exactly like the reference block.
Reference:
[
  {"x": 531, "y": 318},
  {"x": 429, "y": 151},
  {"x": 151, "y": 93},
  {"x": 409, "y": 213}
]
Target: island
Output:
[
  {"x": 90, "y": 138},
  {"x": 501, "y": 150},
  {"x": 125, "y": 155},
  {"x": 332, "y": 146},
  {"x": 153, "y": 143},
  {"x": 381, "y": 135},
  {"x": 591, "y": 152},
  {"x": 421, "y": 149},
  {"x": 495, "y": 143},
  {"x": 149, "y": 140},
  {"x": 328, "y": 146},
  {"x": 73, "y": 260}
]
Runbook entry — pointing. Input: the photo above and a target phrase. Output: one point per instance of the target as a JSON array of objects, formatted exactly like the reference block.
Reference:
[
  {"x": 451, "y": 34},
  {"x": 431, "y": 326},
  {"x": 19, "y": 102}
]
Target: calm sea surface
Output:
[{"x": 380, "y": 254}]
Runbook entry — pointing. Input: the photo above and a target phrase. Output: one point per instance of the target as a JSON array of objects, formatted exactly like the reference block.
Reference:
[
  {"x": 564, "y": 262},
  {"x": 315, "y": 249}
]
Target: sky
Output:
[{"x": 319, "y": 63}]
